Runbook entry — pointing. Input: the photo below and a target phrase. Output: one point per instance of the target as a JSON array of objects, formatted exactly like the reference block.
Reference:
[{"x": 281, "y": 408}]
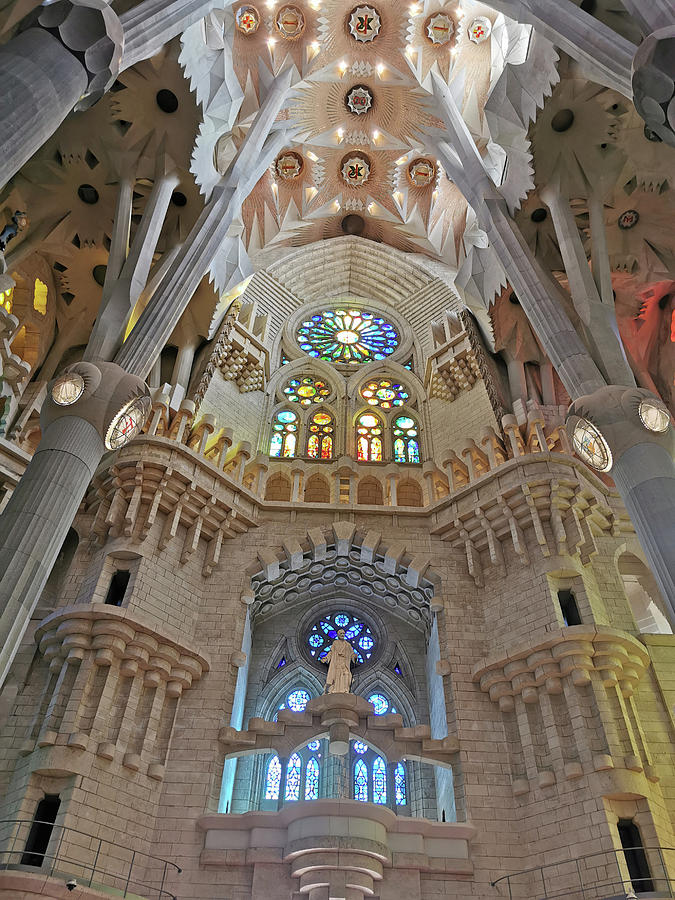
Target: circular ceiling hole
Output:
[
  {"x": 513, "y": 299},
  {"x": 98, "y": 274},
  {"x": 87, "y": 194},
  {"x": 178, "y": 198},
  {"x": 651, "y": 135},
  {"x": 539, "y": 214},
  {"x": 167, "y": 101},
  {"x": 588, "y": 6},
  {"x": 562, "y": 120},
  {"x": 352, "y": 224}
]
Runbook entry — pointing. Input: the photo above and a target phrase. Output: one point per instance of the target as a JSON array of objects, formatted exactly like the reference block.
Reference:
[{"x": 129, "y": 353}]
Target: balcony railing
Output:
[
  {"x": 605, "y": 875},
  {"x": 93, "y": 861}
]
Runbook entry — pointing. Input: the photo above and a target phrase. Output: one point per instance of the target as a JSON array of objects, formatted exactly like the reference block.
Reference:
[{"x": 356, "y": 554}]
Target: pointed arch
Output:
[
  {"x": 278, "y": 487},
  {"x": 312, "y": 779},
  {"x": 360, "y": 781},
  {"x": 273, "y": 778},
  {"x": 317, "y": 489},
  {"x": 379, "y": 781},
  {"x": 369, "y": 491},
  {"x": 369, "y": 434}
]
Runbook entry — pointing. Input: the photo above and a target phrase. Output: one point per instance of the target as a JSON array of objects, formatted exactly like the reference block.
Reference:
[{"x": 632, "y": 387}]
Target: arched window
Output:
[
  {"x": 303, "y": 770},
  {"x": 284, "y": 440},
  {"x": 312, "y": 779},
  {"x": 320, "y": 440},
  {"x": 372, "y": 777},
  {"x": 273, "y": 779},
  {"x": 360, "y": 781},
  {"x": 306, "y": 390},
  {"x": 369, "y": 438},
  {"x": 379, "y": 781},
  {"x": 400, "y": 784},
  {"x": 293, "y": 778},
  {"x": 405, "y": 435}
]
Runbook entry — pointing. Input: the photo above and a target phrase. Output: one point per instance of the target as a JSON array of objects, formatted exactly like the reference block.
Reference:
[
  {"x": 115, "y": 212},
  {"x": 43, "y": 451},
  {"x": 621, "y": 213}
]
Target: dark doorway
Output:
[{"x": 41, "y": 830}]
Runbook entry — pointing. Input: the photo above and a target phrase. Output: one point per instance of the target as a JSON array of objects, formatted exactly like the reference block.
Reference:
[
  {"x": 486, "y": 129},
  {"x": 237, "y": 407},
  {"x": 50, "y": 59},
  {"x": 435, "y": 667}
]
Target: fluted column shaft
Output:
[{"x": 37, "y": 518}]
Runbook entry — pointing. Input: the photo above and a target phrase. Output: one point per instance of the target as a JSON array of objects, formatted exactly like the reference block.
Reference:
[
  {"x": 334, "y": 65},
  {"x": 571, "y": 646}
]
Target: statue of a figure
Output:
[
  {"x": 339, "y": 659},
  {"x": 9, "y": 232}
]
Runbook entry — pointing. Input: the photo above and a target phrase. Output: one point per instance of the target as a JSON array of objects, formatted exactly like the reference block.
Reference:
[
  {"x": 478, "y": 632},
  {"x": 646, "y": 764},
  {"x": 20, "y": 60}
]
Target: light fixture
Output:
[
  {"x": 591, "y": 446},
  {"x": 67, "y": 389},
  {"x": 653, "y": 416},
  {"x": 127, "y": 423}
]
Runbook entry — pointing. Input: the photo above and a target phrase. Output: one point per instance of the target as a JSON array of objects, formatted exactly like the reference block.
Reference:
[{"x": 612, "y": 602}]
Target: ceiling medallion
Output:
[
  {"x": 290, "y": 22},
  {"x": 421, "y": 172},
  {"x": 364, "y": 23},
  {"x": 480, "y": 29},
  {"x": 247, "y": 19},
  {"x": 289, "y": 165},
  {"x": 440, "y": 28},
  {"x": 628, "y": 219},
  {"x": 359, "y": 99},
  {"x": 355, "y": 169}
]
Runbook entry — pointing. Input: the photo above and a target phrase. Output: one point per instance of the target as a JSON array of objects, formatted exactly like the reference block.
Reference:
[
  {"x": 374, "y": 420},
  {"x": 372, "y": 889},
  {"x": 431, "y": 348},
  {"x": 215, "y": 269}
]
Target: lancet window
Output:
[
  {"x": 320, "y": 439},
  {"x": 284, "y": 440},
  {"x": 369, "y": 433},
  {"x": 374, "y": 781},
  {"x": 300, "y": 778},
  {"x": 405, "y": 437}
]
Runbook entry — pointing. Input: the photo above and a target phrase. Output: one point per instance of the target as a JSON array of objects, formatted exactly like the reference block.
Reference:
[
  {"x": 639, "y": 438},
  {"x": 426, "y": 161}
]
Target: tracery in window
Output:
[
  {"x": 320, "y": 440},
  {"x": 406, "y": 440},
  {"x": 369, "y": 438},
  {"x": 379, "y": 781},
  {"x": 385, "y": 393},
  {"x": 273, "y": 779},
  {"x": 350, "y": 336},
  {"x": 297, "y": 700},
  {"x": 293, "y": 778},
  {"x": 400, "y": 784},
  {"x": 360, "y": 781},
  {"x": 312, "y": 780},
  {"x": 324, "y": 631},
  {"x": 306, "y": 390},
  {"x": 381, "y": 704},
  {"x": 284, "y": 438}
]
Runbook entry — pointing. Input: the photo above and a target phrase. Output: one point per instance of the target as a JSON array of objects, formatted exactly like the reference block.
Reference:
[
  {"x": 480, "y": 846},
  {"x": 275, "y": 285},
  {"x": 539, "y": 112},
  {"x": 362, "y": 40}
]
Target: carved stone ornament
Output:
[
  {"x": 289, "y": 165},
  {"x": 290, "y": 22},
  {"x": 247, "y": 19},
  {"x": 359, "y": 100},
  {"x": 421, "y": 172},
  {"x": 628, "y": 219},
  {"x": 364, "y": 23},
  {"x": 355, "y": 169},
  {"x": 480, "y": 29},
  {"x": 440, "y": 28}
]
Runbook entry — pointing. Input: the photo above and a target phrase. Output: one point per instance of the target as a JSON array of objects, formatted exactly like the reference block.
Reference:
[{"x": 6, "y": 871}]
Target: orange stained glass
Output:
[
  {"x": 326, "y": 447},
  {"x": 313, "y": 446}
]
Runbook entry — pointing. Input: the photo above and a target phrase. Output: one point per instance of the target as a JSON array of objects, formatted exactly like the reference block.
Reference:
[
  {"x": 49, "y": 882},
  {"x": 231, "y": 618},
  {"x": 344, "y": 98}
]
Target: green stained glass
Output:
[{"x": 351, "y": 336}]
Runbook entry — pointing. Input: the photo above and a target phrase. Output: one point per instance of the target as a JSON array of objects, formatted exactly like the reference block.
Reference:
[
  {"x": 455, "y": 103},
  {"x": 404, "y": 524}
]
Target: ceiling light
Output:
[
  {"x": 401, "y": 160},
  {"x": 376, "y": 134},
  {"x": 311, "y": 156},
  {"x": 380, "y": 69}
]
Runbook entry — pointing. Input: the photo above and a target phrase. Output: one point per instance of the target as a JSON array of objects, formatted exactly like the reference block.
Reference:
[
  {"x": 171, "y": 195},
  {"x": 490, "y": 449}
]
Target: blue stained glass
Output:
[
  {"x": 315, "y": 640},
  {"x": 354, "y": 631},
  {"x": 293, "y": 778},
  {"x": 380, "y": 703},
  {"x": 273, "y": 779},
  {"x": 324, "y": 632},
  {"x": 314, "y": 745},
  {"x": 413, "y": 452},
  {"x": 297, "y": 700},
  {"x": 312, "y": 780},
  {"x": 341, "y": 619},
  {"x": 397, "y": 669},
  {"x": 347, "y": 336},
  {"x": 360, "y": 781},
  {"x": 379, "y": 781},
  {"x": 286, "y": 416},
  {"x": 399, "y": 784},
  {"x": 281, "y": 663},
  {"x": 359, "y": 747},
  {"x": 366, "y": 642}
]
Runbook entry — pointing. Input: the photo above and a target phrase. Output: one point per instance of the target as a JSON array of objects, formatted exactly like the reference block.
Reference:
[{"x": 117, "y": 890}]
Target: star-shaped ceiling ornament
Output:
[
  {"x": 440, "y": 28},
  {"x": 359, "y": 100},
  {"x": 364, "y": 23}
]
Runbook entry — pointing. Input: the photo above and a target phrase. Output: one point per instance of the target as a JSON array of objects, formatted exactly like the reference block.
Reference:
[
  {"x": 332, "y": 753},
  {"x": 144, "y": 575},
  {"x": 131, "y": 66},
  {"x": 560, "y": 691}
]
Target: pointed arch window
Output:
[
  {"x": 374, "y": 780},
  {"x": 405, "y": 435},
  {"x": 400, "y": 788},
  {"x": 284, "y": 440},
  {"x": 293, "y": 771},
  {"x": 312, "y": 780},
  {"x": 273, "y": 779},
  {"x": 379, "y": 781},
  {"x": 321, "y": 436},
  {"x": 360, "y": 781},
  {"x": 369, "y": 434}
]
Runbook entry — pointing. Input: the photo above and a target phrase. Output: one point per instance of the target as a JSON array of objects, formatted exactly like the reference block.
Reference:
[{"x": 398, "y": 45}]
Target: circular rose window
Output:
[{"x": 325, "y": 630}]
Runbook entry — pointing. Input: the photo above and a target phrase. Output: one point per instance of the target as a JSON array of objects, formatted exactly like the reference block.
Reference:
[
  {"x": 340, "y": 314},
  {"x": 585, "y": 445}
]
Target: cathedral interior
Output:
[{"x": 337, "y": 492}]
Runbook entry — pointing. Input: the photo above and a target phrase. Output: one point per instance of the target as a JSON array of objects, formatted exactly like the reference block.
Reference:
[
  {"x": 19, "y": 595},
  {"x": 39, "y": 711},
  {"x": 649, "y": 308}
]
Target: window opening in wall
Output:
[
  {"x": 399, "y": 784},
  {"x": 324, "y": 631},
  {"x": 312, "y": 780},
  {"x": 118, "y": 586},
  {"x": 293, "y": 778},
  {"x": 381, "y": 704},
  {"x": 284, "y": 434},
  {"x": 273, "y": 779},
  {"x": 406, "y": 443},
  {"x": 281, "y": 663},
  {"x": 636, "y": 858},
  {"x": 379, "y": 781},
  {"x": 371, "y": 779},
  {"x": 384, "y": 393},
  {"x": 360, "y": 781},
  {"x": 369, "y": 438},
  {"x": 41, "y": 830},
  {"x": 568, "y": 607},
  {"x": 320, "y": 440},
  {"x": 306, "y": 390}
]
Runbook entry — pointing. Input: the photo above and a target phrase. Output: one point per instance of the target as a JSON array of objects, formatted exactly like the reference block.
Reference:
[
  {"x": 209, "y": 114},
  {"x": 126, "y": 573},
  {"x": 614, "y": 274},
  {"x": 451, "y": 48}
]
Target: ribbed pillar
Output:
[
  {"x": 645, "y": 478},
  {"x": 41, "y": 83},
  {"x": 36, "y": 521}
]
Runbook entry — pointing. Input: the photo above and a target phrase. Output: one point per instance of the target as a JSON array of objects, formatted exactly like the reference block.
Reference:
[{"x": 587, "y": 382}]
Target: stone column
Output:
[
  {"x": 41, "y": 509},
  {"x": 70, "y": 57}
]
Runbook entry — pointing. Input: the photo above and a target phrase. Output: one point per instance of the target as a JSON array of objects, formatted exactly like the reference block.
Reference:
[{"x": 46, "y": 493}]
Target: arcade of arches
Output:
[{"x": 325, "y": 322}]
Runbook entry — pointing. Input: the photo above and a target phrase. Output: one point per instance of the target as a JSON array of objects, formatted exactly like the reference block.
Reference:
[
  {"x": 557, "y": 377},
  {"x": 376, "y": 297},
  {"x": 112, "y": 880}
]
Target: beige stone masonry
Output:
[{"x": 340, "y": 718}]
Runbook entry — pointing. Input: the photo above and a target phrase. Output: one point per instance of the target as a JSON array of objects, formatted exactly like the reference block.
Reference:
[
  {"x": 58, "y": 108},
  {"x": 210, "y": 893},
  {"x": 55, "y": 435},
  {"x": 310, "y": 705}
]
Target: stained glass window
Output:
[
  {"x": 380, "y": 703},
  {"x": 406, "y": 440},
  {"x": 399, "y": 784},
  {"x": 359, "y": 747},
  {"x": 350, "y": 336},
  {"x": 379, "y": 781},
  {"x": 306, "y": 390},
  {"x": 313, "y": 745},
  {"x": 324, "y": 631},
  {"x": 293, "y": 778},
  {"x": 312, "y": 780},
  {"x": 284, "y": 434},
  {"x": 360, "y": 781},
  {"x": 320, "y": 440},
  {"x": 369, "y": 438},
  {"x": 297, "y": 700},
  {"x": 384, "y": 393},
  {"x": 273, "y": 779}
]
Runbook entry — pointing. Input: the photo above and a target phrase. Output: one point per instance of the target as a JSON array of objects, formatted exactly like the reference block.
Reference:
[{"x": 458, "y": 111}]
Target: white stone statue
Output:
[{"x": 339, "y": 659}]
